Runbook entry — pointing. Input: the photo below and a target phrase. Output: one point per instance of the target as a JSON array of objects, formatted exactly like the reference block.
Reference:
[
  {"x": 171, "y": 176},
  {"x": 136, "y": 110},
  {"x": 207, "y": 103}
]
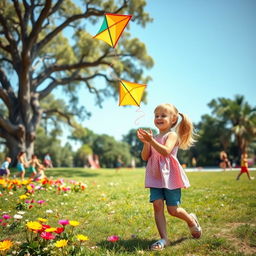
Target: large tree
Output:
[
  {"x": 239, "y": 117},
  {"x": 44, "y": 45}
]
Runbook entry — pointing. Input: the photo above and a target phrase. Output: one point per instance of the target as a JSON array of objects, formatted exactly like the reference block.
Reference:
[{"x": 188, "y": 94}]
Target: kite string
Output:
[{"x": 136, "y": 122}]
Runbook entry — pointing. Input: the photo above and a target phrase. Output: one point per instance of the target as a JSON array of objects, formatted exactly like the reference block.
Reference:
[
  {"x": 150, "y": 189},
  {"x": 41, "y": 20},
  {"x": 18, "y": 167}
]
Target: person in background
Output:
[
  {"x": 48, "y": 161},
  {"x": 224, "y": 161},
  {"x": 4, "y": 170},
  {"x": 244, "y": 167},
  {"x": 22, "y": 164}
]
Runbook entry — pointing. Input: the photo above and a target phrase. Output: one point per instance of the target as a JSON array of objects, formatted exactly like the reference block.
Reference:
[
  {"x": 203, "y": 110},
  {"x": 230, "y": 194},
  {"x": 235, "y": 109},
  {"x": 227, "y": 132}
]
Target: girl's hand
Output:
[{"x": 145, "y": 136}]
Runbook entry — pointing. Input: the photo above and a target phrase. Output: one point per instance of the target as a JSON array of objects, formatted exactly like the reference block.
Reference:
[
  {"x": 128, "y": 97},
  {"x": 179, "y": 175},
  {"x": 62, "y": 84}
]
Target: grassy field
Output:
[{"x": 117, "y": 204}]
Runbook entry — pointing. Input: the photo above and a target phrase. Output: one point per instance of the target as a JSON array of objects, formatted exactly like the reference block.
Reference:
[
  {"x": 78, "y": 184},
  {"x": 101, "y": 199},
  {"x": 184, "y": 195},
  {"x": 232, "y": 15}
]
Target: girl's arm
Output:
[
  {"x": 145, "y": 153},
  {"x": 165, "y": 149}
]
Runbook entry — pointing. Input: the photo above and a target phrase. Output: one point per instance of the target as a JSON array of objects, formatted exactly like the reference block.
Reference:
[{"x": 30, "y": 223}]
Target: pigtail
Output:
[{"x": 185, "y": 132}]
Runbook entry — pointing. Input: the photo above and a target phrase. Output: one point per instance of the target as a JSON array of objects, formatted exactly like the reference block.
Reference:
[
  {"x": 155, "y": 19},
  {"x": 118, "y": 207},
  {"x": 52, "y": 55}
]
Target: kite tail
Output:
[{"x": 142, "y": 114}]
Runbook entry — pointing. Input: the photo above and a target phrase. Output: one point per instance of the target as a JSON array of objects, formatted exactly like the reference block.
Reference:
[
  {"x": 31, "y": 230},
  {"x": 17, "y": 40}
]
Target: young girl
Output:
[
  {"x": 164, "y": 175},
  {"x": 33, "y": 164},
  {"x": 22, "y": 163},
  {"x": 244, "y": 167}
]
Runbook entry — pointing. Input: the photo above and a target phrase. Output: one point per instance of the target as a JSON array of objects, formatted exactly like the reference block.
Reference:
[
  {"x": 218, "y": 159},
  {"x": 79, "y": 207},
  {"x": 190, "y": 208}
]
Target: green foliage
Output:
[{"x": 60, "y": 155}]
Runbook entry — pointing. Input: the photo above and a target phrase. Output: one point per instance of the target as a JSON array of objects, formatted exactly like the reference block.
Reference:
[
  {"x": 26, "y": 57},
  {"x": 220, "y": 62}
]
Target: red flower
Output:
[
  {"x": 47, "y": 235},
  {"x": 59, "y": 230},
  {"x": 45, "y": 227}
]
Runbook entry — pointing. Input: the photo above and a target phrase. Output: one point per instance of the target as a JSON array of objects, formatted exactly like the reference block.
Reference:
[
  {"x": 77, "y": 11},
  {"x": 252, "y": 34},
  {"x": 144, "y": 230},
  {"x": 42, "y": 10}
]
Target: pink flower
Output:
[
  {"x": 40, "y": 201},
  {"x": 63, "y": 222},
  {"x": 6, "y": 216},
  {"x": 47, "y": 235},
  {"x": 113, "y": 239}
]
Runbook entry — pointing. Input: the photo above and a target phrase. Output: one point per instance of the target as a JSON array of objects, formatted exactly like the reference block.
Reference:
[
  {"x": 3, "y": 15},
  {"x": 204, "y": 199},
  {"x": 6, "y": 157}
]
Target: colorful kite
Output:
[
  {"x": 112, "y": 28},
  {"x": 130, "y": 93}
]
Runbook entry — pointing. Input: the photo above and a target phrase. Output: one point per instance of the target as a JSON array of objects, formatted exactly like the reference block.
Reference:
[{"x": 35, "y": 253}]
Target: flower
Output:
[
  {"x": 42, "y": 220},
  {"x": 63, "y": 222},
  {"x": 17, "y": 216},
  {"x": 59, "y": 230},
  {"x": 40, "y": 201},
  {"x": 50, "y": 230},
  {"x": 5, "y": 245},
  {"x": 34, "y": 225},
  {"x": 113, "y": 239},
  {"x": 21, "y": 212},
  {"x": 23, "y": 197},
  {"x": 74, "y": 223},
  {"x": 82, "y": 237},
  {"x": 49, "y": 211},
  {"x": 61, "y": 243},
  {"x": 47, "y": 235},
  {"x": 6, "y": 216}
]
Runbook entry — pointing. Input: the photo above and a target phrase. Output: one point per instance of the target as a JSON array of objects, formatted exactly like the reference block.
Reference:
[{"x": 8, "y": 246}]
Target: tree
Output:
[
  {"x": 240, "y": 117},
  {"x": 43, "y": 46},
  {"x": 213, "y": 137}
]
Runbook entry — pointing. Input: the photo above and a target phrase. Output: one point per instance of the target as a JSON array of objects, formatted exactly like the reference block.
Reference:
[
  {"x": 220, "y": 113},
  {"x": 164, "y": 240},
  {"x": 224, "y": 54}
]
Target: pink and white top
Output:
[{"x": 165, "y": 171}]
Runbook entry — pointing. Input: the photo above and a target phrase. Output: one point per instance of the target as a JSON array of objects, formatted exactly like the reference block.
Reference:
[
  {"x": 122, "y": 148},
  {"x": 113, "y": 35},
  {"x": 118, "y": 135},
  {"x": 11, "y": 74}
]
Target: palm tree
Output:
[{"x": 240, "y": 117}]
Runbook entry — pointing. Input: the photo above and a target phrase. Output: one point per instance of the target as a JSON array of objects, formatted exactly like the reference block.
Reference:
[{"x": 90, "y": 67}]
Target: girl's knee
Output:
[{"x": 173, "y": 210}]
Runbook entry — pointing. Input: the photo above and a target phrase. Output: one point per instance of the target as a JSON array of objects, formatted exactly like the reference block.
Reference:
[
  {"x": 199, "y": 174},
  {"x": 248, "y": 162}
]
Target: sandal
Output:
[
  {"x": 158, "y": 245},
  {"x": 196, "y": 231}
]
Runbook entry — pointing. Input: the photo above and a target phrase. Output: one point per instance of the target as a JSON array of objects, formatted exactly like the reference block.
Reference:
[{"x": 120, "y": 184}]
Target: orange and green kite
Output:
[
  {"x": 130, "y": 93},
  {"x": 112, "y": 28}
]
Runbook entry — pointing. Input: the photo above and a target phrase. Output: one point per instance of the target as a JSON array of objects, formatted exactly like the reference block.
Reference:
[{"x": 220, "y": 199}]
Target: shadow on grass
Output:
[
  {"x": 133, "y": 244},
  {"x": 69, "y": 173}
]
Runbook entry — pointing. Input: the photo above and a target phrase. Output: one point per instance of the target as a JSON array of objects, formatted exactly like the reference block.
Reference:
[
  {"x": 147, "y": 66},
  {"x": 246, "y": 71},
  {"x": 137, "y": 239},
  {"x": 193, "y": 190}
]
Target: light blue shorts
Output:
[
  {"x": 172, "y": 197},
  {"x": 20, "y": 167}
]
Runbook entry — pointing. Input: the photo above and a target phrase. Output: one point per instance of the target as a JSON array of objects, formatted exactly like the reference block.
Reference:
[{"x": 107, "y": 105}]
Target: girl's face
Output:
[{"x": 163, "y": 119}]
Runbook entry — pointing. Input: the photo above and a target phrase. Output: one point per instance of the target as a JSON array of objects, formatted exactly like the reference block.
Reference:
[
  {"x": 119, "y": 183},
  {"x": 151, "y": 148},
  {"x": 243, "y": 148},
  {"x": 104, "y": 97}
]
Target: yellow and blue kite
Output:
[{"x": 112, "y": 28}]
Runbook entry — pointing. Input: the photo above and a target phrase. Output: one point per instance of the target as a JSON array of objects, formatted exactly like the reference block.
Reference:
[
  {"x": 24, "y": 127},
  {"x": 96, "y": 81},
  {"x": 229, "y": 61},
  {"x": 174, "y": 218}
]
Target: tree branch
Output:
[
  {"x": 38, "y": 25},
  {"x": 89, "y": 12},
  {"x": 65, "y": 115},
  {"x": 48, "y": 72}
]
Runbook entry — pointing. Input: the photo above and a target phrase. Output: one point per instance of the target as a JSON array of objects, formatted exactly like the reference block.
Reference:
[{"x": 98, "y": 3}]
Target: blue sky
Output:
[{"x": 202, "y": 49}]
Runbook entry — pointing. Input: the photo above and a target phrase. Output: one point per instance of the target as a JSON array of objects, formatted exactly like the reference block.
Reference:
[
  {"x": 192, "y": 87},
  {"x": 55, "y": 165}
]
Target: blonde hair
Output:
[{"x": 185, "y": 128}]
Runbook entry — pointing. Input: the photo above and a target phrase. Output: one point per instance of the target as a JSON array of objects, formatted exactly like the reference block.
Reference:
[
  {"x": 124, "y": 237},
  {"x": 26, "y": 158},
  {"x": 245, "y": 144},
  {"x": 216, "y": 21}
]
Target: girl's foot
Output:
[
  {"x": 159, "y": 245},
  {"x": 196, "y": 231}
]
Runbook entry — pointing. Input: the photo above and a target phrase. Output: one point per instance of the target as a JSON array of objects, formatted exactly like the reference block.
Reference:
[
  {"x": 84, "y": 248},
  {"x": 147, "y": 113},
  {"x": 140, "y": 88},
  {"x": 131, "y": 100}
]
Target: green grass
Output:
[{"x": 117, "y": 204}]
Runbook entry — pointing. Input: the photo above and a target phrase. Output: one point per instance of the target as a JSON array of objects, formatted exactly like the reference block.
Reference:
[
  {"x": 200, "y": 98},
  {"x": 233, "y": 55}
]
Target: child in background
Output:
[
  {"x": 33, "y": 164},
  {"x": 22, "y": 163},
  {"x": 244, "y": 167},
  {"x": 4, "y": 170},
  {"x": 164, "y": 175}
]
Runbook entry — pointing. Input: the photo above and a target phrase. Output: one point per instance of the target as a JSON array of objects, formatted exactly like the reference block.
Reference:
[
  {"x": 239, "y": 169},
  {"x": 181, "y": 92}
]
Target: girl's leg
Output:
[
  {"x": 160, "y": 218},
  {"x": 181, "y": 214},
  {"x": 238, "y": 176},
  {"x": 22, "y": 175}
]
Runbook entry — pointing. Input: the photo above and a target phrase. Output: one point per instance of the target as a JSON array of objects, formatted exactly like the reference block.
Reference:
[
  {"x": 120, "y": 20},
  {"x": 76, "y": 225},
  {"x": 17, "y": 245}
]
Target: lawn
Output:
[{"x": 108, "y": 203}]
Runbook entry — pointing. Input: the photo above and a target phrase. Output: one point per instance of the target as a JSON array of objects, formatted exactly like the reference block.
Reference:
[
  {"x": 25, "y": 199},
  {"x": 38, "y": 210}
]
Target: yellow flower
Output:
[
  {"x": 74, "y": 223},
  {"x": 50, "y": 230},
  {"x": 34, "y": 225},
  {"x": 5, "y": 245},
  {"x": 61, "y": 243},
  {"x": 42, "y": 220},
  {"x": 23, "y": 197},
  {"x": 29, "y": 187},
  {"x": 82, "y": 238}
]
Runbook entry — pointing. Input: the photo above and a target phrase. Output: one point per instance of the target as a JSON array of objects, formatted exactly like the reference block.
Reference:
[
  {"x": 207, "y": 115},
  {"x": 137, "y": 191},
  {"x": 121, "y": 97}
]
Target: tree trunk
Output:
[{"x": 15, "y": 146}]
